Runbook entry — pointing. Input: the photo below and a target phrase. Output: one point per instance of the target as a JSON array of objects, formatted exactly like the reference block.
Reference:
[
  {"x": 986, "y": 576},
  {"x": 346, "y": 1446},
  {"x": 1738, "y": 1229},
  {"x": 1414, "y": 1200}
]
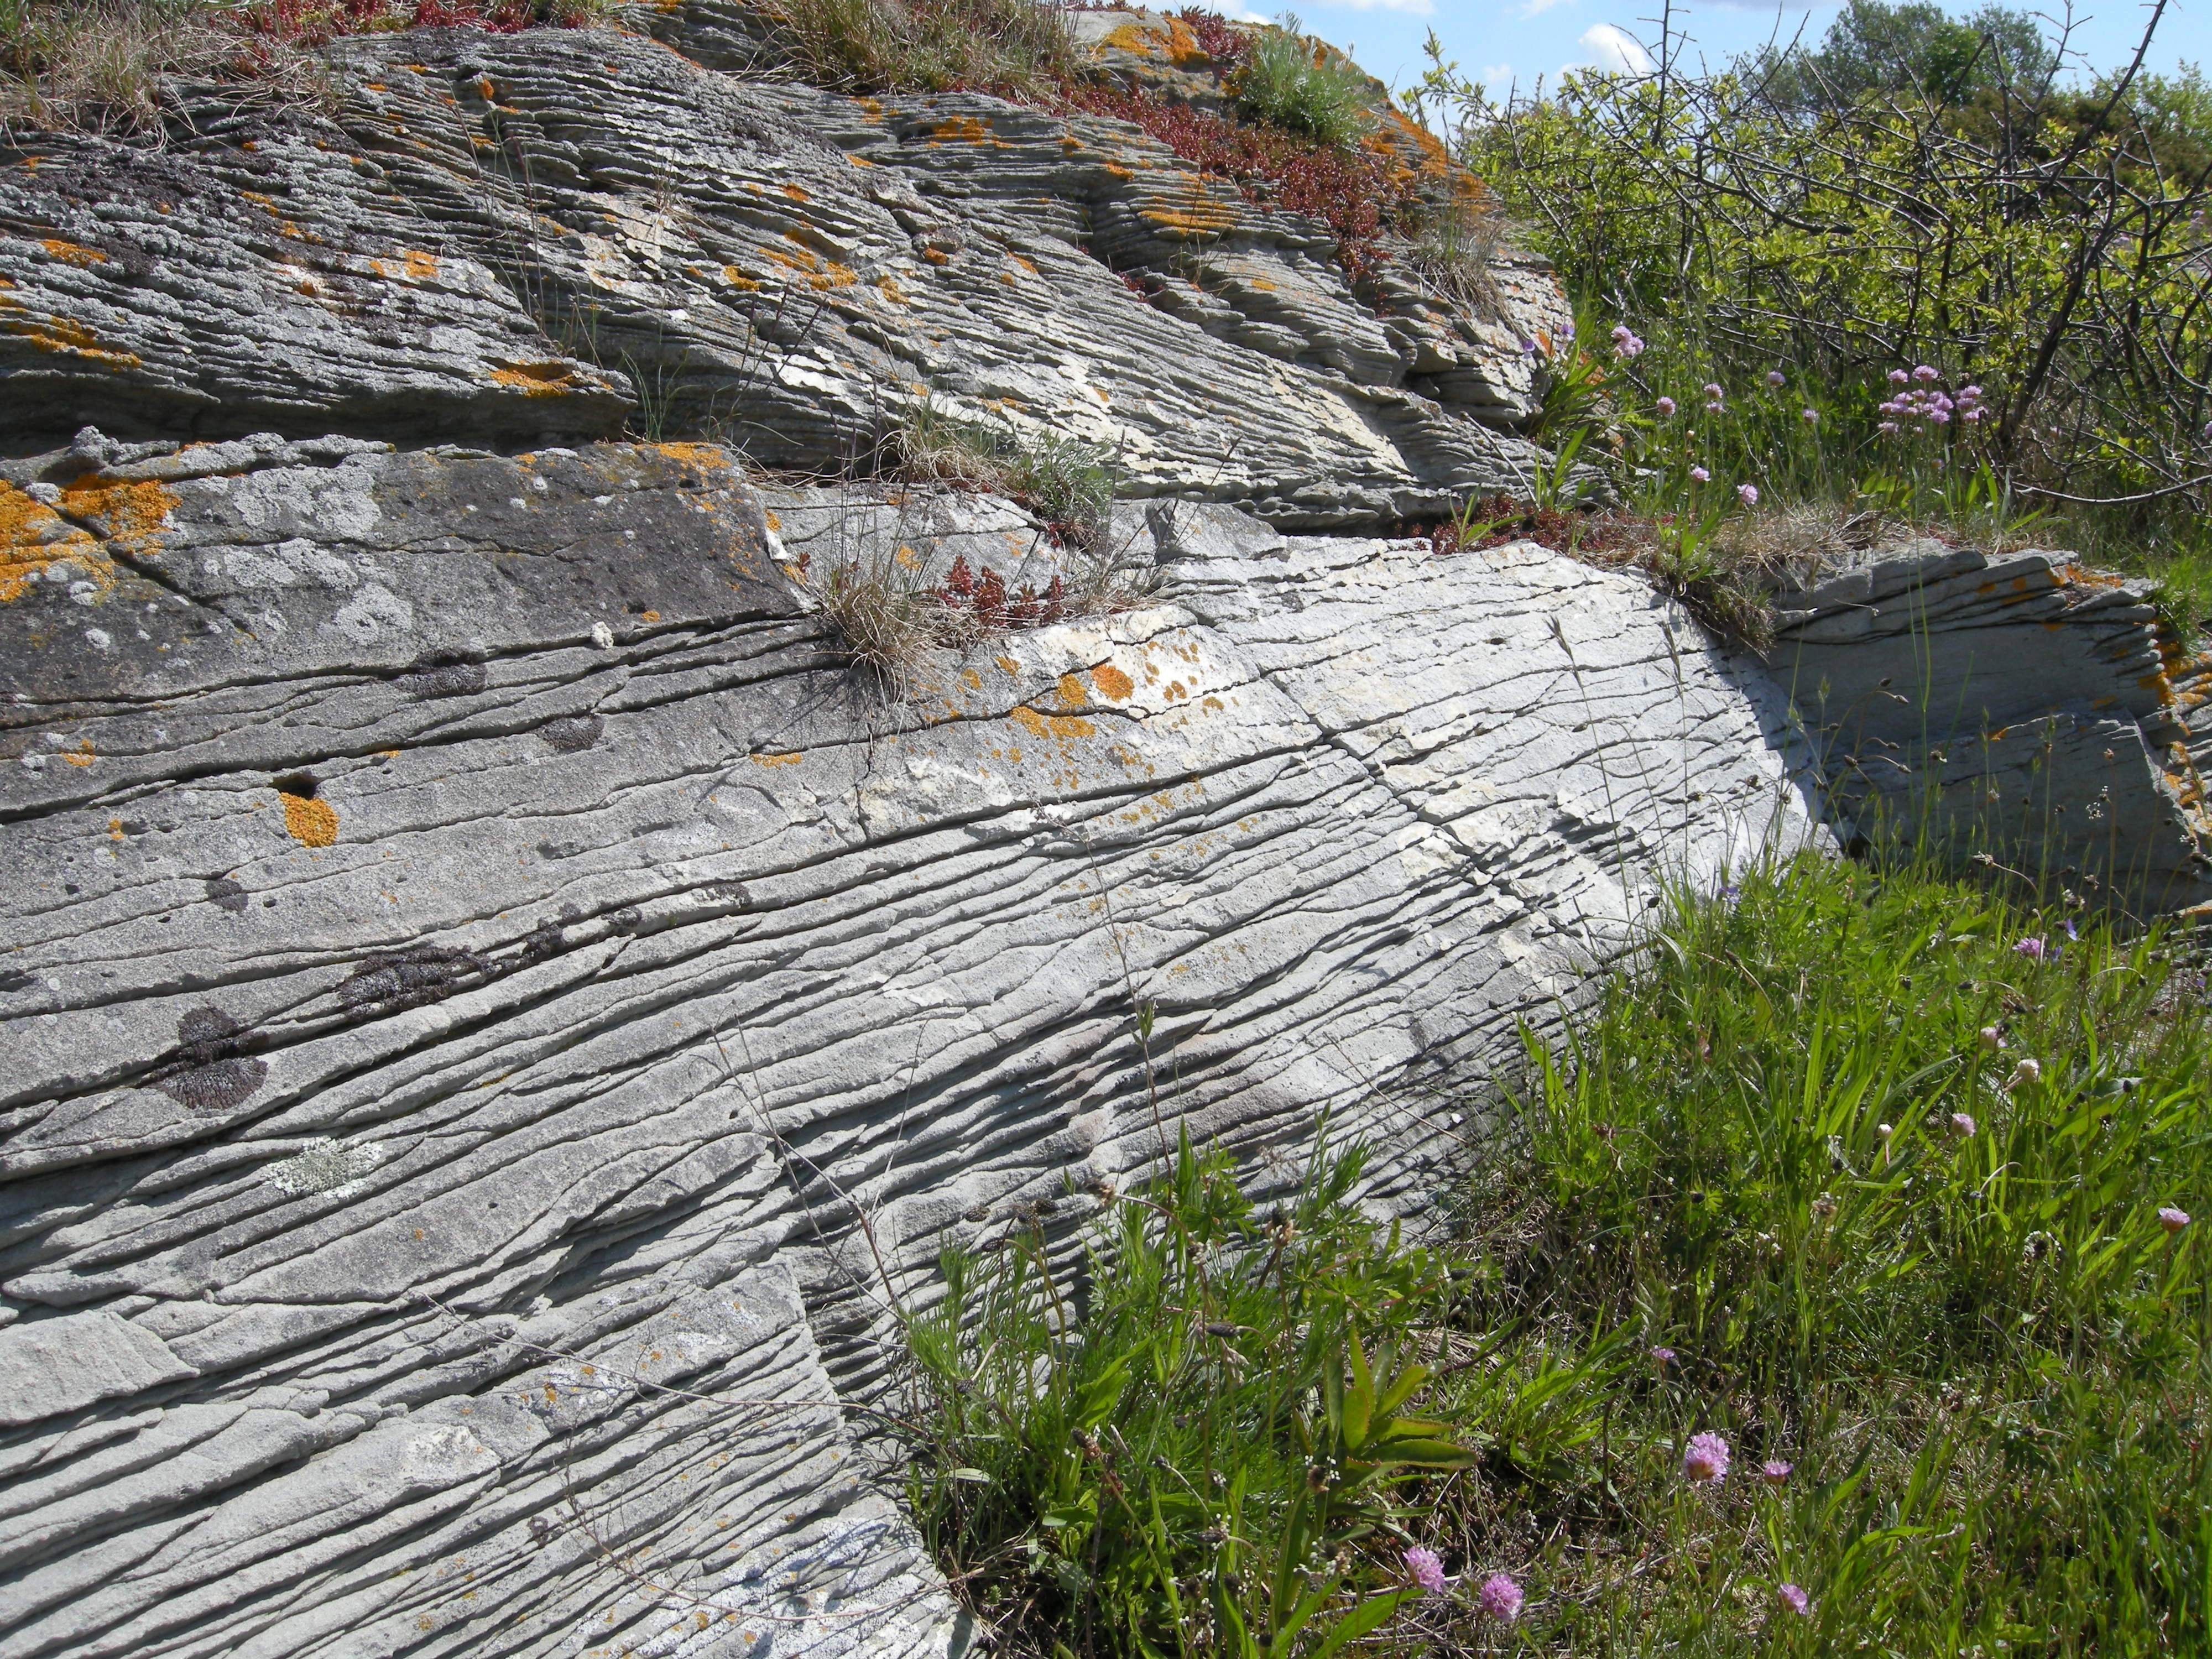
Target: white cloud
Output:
[
  {"x": 1614, "y": 49},
  {"x": 1498, "y": 74},
  {"x": 1538, "y": 8}
]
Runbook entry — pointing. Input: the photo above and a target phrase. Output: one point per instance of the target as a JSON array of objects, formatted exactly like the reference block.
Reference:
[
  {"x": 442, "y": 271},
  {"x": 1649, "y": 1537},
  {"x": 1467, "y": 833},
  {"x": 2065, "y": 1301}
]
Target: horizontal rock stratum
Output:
[{"x": 502, "y": 1011}]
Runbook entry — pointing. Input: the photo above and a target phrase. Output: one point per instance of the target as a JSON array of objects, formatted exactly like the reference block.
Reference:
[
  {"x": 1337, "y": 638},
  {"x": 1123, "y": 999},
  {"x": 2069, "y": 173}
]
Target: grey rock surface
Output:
[
  {"x": 2017, "y": 706},
  {"x": 532, "y": 239},
  {"x": 442, "y": 1026}
]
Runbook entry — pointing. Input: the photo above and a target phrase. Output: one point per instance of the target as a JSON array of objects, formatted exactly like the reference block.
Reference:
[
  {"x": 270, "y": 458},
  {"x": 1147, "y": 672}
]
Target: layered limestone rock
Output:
[
  {"x": 500, "y": 1011},
  {"x": 535, "y": 239},
  {"x": 2014, "y": 707}
]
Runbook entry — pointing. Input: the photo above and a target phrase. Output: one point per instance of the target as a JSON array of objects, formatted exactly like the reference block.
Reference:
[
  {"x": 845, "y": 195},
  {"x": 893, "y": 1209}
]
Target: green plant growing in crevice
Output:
[
  {"x": 1298, "y": 84},
  {"x": 1012, "y": 47}
]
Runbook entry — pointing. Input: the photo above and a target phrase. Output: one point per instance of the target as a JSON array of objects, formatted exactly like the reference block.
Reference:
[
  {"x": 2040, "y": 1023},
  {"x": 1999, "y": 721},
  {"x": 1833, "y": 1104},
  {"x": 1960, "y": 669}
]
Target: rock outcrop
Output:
[
  {"x": 481, "y": 958},
  {"x": 503, "y": 1011},
  {"x": 2014, "y": 707}
]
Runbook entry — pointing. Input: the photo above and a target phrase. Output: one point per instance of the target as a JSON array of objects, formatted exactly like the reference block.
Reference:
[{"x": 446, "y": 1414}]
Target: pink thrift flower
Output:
[
  {"x": 1923, "y": 372},
  {"x": 1748, "y": 493},
  {"x": 1887, "y": 426},
  {"x": 1992, "y": 1038},
  {"x": 2031, "y": 947},
  {"x": 1962, "y": 1125},
  {"x": 1811, "y": 417},
  {"x": 1774, "y": 377},
  {"x": 1706, "y": 1459},
  {"x": 1427, "y": 1568},
  {"x": 2171, "y": 1219},
  {"x": 1667, "y": 407},
  {"x": 1795, "y": 1600},
  {"x": 1774, "y": 1471},
  {"x": 1712, "y": 391},
  {"x": 1970, "y": 415},
  {"x": 1699, "y": 475},
  {"x": 1898, "y": 377},
  {"x": 1939, "y": 416},
  {"x": 1500, "y": 1597},
  {"x": 1663, "y": 1356},
  {"x": 2026, "y": 1071}
]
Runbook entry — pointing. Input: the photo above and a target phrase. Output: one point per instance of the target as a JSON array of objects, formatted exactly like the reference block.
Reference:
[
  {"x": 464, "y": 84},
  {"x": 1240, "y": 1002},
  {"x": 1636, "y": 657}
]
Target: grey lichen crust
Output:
[{"x": 432, "y": 1043}]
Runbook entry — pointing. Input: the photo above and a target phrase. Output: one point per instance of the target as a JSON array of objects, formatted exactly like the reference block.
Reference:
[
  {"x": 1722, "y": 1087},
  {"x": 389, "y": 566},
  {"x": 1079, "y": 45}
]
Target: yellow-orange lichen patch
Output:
[
  {"x": 1072, "y": 697},
  {"x": 82, "y": 755},
  {"x": 1136, "y": 39},
  {"x": 63, "y": 334},
  {"x": 421, "y": 266},
  {"x": 536, "y": 380},
  {"x": 1207, "y": 218},
  {"x": 310, "y": 822},
  {"x": 736, "y": 278},
  {"x": 1112, "y": 683},
  {"x": 133, "y": 515},
  {"x": 33, "y": 538},
  {"x": 966, "y": 129},
  {"x": 694, "y": 454},
  {"x": 797, "y": 193},
  {"x": 778, "y": 760},
  {"x": 1052, "y": 726},
  {"x": 85, "y": 257},
  {"x": 1008, "y": 666}
]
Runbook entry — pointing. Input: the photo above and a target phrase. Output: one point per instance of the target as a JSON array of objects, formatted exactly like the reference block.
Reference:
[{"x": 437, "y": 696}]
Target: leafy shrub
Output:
[{"x": 1300, "y": 85}]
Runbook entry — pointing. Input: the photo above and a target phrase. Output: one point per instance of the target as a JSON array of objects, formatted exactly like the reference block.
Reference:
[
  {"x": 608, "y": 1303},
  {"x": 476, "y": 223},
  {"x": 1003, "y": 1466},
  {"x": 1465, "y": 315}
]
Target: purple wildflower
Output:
[
  {"x": 2171, "y": 1219},
  {"x": 1941, "y": 416},
  {"x": 1711, "y": 390},
  {"x": 1774, "y": 377},
  {"x": 1795, "y": 1600},
  {"x": 1887, "y": 426},
  {"x": 1811, "y": 417},
  {"x": 1427, "y": 1568},
  {"x": 1748, "y": 493},
  {"x": 1992, "y": 1038},
  {"x": 1898, "y": 377},
  {"x": 1705, "y": 1460},
  {"x": 1663, "y": 1356},
  {"x": 1699, "y": 475},
  {"x": 1666, "y": 408},
  {"x": 1774, "y": 1471},
  {"x": 1500, "y": 1597},
  {"x": 2028, "y": 1070},
  {"x": 1962, "y": 1125},
  {"x": 2033, "y": 947},
  {"x": 1923, "y": 372}
]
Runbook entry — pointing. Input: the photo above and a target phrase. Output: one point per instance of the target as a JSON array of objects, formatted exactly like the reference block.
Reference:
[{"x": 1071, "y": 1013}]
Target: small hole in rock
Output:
[{"x": 301, "y": 784}]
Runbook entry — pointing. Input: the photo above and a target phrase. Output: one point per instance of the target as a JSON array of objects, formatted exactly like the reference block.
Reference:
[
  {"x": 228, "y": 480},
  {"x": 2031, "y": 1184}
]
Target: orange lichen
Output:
[
  {"x": 133, "y": 515},
  {"x": 85, "y": 257},
  {"x": 64, "y": 334},
  {"x": 536, "y": 380},
  {"x": 777, "y": 760},
  {"x": 310, "y": 822},
  {"x": 422, "y": 266},
  {"x": 797, "y": 193},
  {"x": 737, "y": 279},
  {"x": 1110, "y": 680},
  {"x": 694, "y": 454},
  {"x": 1072, "y": 697},
  {"x": 33, "y": 538},
  {"x": 1052, "y": 726},
  {"x": 965, "y": 128},
  {"x": 1008, "y": 666}
]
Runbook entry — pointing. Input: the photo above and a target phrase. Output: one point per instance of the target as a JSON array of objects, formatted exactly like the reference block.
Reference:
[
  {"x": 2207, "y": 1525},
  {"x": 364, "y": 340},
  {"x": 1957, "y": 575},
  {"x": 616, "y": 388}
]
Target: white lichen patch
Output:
[{"x": 324, "y": 1166}]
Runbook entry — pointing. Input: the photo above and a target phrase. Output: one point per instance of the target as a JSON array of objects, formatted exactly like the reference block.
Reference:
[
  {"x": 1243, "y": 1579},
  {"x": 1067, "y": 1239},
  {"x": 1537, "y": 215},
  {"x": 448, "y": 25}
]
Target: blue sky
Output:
[{"x": 1501, "y": 41}]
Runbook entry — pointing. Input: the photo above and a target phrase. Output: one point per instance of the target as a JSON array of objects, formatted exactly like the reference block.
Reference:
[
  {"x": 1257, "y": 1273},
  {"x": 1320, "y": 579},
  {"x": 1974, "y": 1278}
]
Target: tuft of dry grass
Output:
[{"x": 1017, "y": 48}]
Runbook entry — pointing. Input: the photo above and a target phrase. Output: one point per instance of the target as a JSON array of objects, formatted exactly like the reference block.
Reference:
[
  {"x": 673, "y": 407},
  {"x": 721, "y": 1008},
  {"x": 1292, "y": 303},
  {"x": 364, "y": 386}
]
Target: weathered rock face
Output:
[
  {"x": 479, "y": 956},
  {"x": 501, "y": 1013},
  {"x": 532, "y": 239},
  {"x": 2013, "y": 706}
]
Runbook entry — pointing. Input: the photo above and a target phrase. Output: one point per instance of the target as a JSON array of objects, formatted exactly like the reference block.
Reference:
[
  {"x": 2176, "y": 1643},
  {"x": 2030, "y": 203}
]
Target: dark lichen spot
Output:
[
  {"x": 226, "y": 894},
  {"x": 391, "y": 979},
  {"x": 433, "y": 678},
  {"x": 208, "y": 1070},
  {"x": 11, "y": 983},
  {"x": 572, "y": 733}
]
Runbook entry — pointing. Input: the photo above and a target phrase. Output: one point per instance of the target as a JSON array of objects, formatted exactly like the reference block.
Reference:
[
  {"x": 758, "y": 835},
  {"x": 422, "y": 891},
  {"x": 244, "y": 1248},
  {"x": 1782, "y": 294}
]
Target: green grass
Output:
[{"x": 1980, "y": 1351}]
